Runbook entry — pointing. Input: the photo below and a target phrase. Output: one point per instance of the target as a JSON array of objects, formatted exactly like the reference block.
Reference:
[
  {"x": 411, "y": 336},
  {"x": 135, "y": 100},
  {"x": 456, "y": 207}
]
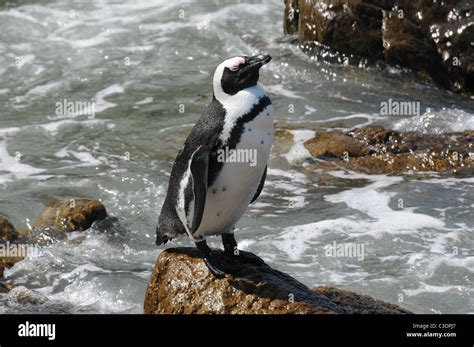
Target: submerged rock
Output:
[
  {"x": 8, "y": 235},
  {"x": 76, "y": 214},
  {"x": 181, "y": 283},
  {"x": 8, "y": 232},
  {"x": 6, "y": 287},
  {"x": 52, "y": 224},
  {"x": 24, "y": 296},
  {"x": 434, "y": 39},
  {"x": 376, "y": 150}
]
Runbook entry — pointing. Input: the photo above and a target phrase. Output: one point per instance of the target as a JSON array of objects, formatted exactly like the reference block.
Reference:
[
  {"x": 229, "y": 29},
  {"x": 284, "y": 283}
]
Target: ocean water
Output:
[{"x": 147, "y": 67}]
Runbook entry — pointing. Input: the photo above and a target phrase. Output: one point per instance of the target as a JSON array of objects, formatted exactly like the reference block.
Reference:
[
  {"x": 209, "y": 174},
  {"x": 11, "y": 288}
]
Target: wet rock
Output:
[
  {"x": 284, "y": 136},
  {"x": 7, "y": 231},
  {"x": 354, "y": 303},
  {"x": 8, "y": 235},
  {"x": 291, "y": 16},
  {"x": 181, "y": 283},
  {"x": 335, "y": 144},
  {"x": 5, "y": 287},
  {"x": 407, "y": 44},
  {"x": 376, "y": 150},
  {"x": 351, "y": 27},
  {"x": 433, "y": 39},
  {"x": 24, "y": 296},
  {"x": 73, "y": 215}
]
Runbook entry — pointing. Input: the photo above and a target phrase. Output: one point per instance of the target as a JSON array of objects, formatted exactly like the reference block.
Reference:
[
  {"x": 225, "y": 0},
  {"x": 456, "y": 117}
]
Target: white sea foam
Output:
[
  {"x": 83, "y": 155},
  {"x": 296, "y": 240},
  {"x": 11, "y": 168},
  {"x": 436, "y": 122},
  {"x": 43, "y": 89},
  {"x": 370, "y": 119},
  {"x": 53, "y": 127},
  {"x": 100, "y": 103},
  {"x": 293, "y": 175},
  {"x": 90, "y": 294},
  {"x": 279, "y": 89},
  {"x": 4, "y": 132},
  {"x": 145, "y": 101},
  {"x": 374, "y": 203},
  {"x": 427, "y": 288},
  {"x": 298, "y": 151}
]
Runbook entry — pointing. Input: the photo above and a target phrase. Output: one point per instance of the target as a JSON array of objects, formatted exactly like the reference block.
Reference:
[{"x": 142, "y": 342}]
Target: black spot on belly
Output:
[
  {"x": 262, "y": 142},
  {"x": 250, "y": 129},
  {"x": 218, "y": 214},
  {"x": 224, "y": 189},
  {"x": 214, "y": 191}
]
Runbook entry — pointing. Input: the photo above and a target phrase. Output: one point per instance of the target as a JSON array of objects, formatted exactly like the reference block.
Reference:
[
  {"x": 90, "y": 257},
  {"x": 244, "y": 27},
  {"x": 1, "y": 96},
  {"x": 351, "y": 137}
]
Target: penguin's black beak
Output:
[{"x": 257, "y": 61}]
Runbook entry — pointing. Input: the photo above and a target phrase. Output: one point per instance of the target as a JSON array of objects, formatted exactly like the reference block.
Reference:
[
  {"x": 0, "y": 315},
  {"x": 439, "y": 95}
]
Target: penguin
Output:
[{"x": 209, "y": 191}]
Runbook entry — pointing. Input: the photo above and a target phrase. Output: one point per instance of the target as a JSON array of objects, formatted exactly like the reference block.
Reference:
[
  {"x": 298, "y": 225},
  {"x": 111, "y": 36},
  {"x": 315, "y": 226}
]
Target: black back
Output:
[{"x": 204, "y": 131}]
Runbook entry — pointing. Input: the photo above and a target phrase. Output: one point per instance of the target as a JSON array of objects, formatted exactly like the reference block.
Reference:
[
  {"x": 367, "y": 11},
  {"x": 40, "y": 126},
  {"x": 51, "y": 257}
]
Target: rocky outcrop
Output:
[
  {"x": 434, "y": 39},
  {"x": 7, "y": 231},
  {"x": 5, "y": 287},
  {"x": 53, "y": 222},
  {"x": 25, "y": 296},
  {"x": 8, "y": 235},
  {"x": 181, "y": 283},
  {"x": 76, "y": 214},
  {"x": 377, "y": 150}
]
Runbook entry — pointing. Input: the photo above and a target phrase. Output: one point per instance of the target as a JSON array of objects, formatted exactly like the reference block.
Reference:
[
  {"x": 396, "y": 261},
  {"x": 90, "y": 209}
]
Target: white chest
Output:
[{"x": 229, "y": 196}]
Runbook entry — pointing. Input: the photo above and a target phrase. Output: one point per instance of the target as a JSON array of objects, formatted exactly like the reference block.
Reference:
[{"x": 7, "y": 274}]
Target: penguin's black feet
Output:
[
  {"x": 230, "y": 245},
  {"x": 232, "y": 252},
  {"x": 210, "y": 259}
]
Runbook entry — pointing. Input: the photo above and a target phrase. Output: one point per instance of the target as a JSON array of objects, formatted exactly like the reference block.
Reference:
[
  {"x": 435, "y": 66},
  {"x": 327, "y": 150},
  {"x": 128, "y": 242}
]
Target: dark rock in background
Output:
[{"x": 433, "y": 39}]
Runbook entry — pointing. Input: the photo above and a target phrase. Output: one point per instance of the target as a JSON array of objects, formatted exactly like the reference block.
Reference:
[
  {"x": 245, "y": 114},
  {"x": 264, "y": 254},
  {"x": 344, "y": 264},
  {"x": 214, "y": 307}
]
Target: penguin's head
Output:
[{"x": 238, "y": 73}]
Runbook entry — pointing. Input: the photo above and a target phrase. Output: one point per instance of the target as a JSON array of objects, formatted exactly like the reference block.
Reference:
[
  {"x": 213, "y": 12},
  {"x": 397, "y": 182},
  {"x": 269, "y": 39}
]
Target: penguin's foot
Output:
[
  {"x": 230, "y": 245},
  {"x": 211, "y": 265},
  {"x": 233, "y": 253},
  {"x": 210, "y": 259}
]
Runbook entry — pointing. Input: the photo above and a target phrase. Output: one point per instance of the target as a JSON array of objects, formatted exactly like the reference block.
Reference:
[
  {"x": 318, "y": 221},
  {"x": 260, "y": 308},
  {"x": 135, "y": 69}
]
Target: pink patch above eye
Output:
[{"x": 235, "y": 63}]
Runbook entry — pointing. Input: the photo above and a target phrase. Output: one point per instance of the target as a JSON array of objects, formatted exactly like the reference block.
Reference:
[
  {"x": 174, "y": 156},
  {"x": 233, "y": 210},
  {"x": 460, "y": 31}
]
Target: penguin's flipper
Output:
[
  {"x": 199, "y": 172},
  {"x": 260, "y": 186}
]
